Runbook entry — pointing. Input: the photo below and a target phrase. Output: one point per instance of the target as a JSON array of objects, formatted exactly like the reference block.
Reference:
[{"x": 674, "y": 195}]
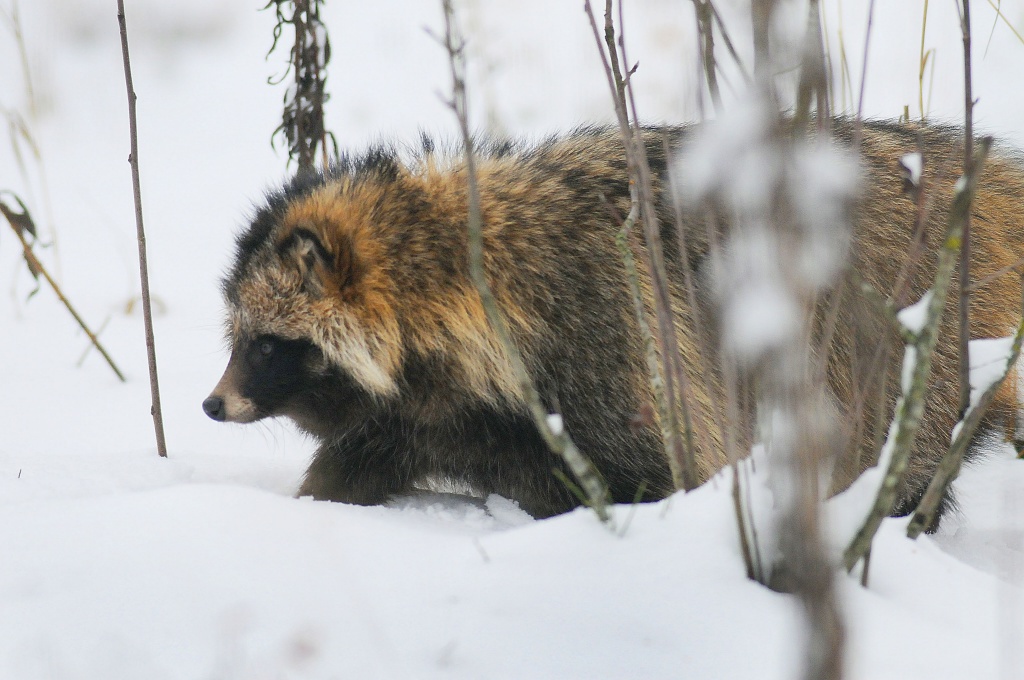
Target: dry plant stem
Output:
[
  {"x": 147, "y": 311},
  {"x": 965, "y": 249},
  {"x": 37, "y": 266},
  {"x": 802, "y": 546},
  {"x": 921, "y": 63},
  {"x": 14, "y": 24},
  {"x": 677, "y": 384},
  {"x": 680, "y": 459},
  {"x": 813, "y": 76},
  {"x": 705, "y": 29},
  {"x": 560, "y": 443},
  {"x": 981, "y": 283},
  {"x": 302, "y": 120},
  {"x": 761, "y": 12},
  {"x": 744, "y": 524},
  {"x": 746, "y": 528},
  {"x": 651, "y": 351},
  {"x": 949, "y": 467},
  {"x": 858, "y": 128},
  {"x": 728, "y": 41},
  {"x": 910, "y": 407},
  {"x": 917, "y": 244}
]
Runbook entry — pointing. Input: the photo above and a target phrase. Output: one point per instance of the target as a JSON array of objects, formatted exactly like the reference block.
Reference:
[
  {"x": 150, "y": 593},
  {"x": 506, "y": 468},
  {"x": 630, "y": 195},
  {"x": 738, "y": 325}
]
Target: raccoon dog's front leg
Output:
[{"x": 359, "y": 468}]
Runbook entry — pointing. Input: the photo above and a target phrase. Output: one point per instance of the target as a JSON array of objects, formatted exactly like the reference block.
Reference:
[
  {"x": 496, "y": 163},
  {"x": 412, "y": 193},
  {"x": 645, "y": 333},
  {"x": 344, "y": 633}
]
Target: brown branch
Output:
[
  {"x": 147, "y": 312},
  {"x": 949, "y": 466},
  {"x": 910, "y": 408},
  {"x": 858, "y": 127},
  {"x": 679, "y": 454},
  {"x": 981, "y": 283},
  {"x": 36, "y": 267},
  {"x": 560, "y": 443},
  {"x": 728, "y": 41},
  {"x": 657, "y": 379},
  {"x": 965, "y": 249},
  {"x": 813, "y": 76},
  {"x": 705, "y": 30}
]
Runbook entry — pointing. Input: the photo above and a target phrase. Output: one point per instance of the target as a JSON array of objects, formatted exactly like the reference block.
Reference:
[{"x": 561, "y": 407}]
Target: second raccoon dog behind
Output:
[{"x": 351, "y": 311}]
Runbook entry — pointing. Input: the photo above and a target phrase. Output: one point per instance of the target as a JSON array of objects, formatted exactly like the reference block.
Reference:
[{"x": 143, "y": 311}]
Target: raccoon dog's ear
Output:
[
  {"x": 321, "y": 269},
  {"x": 307, "y": 253}
]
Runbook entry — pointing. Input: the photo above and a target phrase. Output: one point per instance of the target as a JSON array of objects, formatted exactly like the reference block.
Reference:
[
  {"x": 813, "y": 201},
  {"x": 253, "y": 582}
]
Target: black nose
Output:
[{"x": 214, "y": 407}]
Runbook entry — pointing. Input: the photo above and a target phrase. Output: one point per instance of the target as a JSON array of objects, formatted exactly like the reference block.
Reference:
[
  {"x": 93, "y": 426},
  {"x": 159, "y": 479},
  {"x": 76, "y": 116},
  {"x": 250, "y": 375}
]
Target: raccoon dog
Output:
[{"x": 351, "y": 311}]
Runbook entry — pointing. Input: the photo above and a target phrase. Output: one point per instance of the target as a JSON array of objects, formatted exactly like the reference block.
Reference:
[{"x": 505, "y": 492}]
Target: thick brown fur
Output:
[{"x": 351, "y": 311}]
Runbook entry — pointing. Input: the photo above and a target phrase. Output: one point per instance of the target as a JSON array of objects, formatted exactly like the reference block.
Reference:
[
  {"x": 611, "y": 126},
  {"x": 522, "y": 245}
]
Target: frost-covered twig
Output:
[
  {"x": 557, "y": 439},
  {"x": 917, "y": 367},
  {"x": 147, "y": 311},
  {"x": 949, "y": 466},
  {"x": 21, "y": 223}
]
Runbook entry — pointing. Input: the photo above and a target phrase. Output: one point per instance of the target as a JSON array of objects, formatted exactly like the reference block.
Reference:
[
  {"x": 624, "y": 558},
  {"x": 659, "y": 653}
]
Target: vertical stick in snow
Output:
[{"x": 147, "y": 312}]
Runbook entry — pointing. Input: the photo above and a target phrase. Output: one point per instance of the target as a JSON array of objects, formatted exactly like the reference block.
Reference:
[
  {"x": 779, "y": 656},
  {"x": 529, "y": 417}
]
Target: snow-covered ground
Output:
[{"x": 116, "y": 564}]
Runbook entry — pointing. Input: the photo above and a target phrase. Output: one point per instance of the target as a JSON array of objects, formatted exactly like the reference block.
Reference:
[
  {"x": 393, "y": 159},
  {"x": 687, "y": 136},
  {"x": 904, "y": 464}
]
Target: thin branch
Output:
[
  {"x": 965, "y": 249},
  {"x": 910, "y": 407},
  {"x": 728, "y": 41},
  {"x": 981, "y": 283},
  {"x": 858, "y": 122},
  {"x": 677, "y": 387},
  {"x": 147, "y": 312},
  {"x": 813, "y": 76},
  {"x": 622, "y": 241},
  {"x": 679, "y": 455},
  {"x": 560, "y": 443},
  {"x": 17, "y": 222},
  {"x": 949, "y": 467},
  {"x": 705, "y": 29},
  {"x": 922, "y": 60}
]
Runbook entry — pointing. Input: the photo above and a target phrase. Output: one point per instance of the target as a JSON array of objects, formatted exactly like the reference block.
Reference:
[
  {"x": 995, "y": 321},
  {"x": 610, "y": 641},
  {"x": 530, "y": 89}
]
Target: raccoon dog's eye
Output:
[{"x": 266, "y": 348}]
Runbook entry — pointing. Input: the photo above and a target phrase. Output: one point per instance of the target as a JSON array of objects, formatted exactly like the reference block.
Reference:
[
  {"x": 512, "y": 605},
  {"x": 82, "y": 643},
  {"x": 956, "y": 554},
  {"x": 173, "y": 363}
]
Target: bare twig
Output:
[
  {"x": 965, "y": 248},
  {"x": 593, "y": 486},
  {"x": 813, "y": 75},
  {"x": 761, "y": 12},
  {"x": 949, "y": 467},
  {"x": 679, "y": 453},
  {"x": 728, "y": 41},
  {"x": 981, "y": 283},
  {"x": 147, "y": 312},
  {"x": 910, "y": 407},
  {"x": 922, "y": 62},
  {"x": 13, "y": 21},
  {"x": 21, "y": 223},
  {"x": 858, "y": 125},
  {"x": 705, "y": 30},
  {"x": 622, "y": 240}
]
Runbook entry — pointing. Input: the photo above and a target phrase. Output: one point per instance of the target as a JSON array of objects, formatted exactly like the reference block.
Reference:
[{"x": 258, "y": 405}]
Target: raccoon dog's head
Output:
[{"x": 310, "y": 319}]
